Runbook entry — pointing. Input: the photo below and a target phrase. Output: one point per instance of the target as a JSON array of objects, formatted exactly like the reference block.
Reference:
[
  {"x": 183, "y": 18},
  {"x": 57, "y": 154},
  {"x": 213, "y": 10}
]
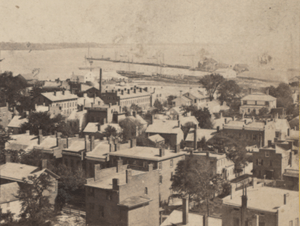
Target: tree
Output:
[
  {"x": 110, "y": 131},
  {"x": 34, "y": 158},
  {"x": 158, "y": 105},
  {"x": 15, "y": 156},
  {"x": 135, "y": 108},
  {"x": 129, "y": 128},
  {"x": 228, "y": 91},
  {"x": 263, "y": 111},
  {"x": 211, "y": 83},
  {"x": 61, "y": 199},
  {"x": 193, "y": 179},
  {"x": 35, "y": 205},
  {"x": 170, "y": 99},
  {"x": 70, "y": 180},
  {"x": 49, "y": 125},
  {"x": 4, "y": 137},
  {"x": 204, "y": 118},
  {"x": 283, "y": 93}
]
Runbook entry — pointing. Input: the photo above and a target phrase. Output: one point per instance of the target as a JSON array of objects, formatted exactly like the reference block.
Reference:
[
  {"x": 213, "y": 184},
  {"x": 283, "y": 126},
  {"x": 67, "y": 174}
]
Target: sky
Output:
[
  {"x": 156, "y": 21},
  {"x": 250, "y": 25}
]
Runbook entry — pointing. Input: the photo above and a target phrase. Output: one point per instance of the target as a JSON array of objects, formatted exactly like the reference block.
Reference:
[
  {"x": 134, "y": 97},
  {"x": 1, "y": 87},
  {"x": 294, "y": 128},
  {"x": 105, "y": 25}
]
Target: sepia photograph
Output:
[{"x": 149, "y": 112}]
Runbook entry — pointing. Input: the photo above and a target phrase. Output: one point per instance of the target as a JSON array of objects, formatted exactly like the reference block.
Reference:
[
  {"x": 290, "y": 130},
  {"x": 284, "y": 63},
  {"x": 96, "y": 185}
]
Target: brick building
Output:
[
  {"x": 128, "y": 96},
  {"x": 103, "y": 113},
  {"x": 251, "y": 131},
  {"x": 64, "y": 99},
  {"x": 259, "y": 205},
  {"x": 272, "y": 160},
  {"x": 253, "y": 102},
  {"x": 121, "y": 196},
  {"x": 170, "y": 130},
  {"x": 217, "y": 164},
  {"x": 163, "y": 159}
]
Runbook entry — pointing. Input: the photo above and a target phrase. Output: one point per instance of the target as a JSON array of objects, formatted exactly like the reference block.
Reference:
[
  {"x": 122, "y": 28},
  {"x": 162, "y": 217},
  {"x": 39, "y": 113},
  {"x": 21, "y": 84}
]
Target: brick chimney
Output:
[
  {"x": 54, "y": 93},
  {"x": 285, "y": 198},
  {"x": 161, "y": 152},
  {"x": 115, "y": 183},
  {"x": 44, "y": 163},
  {"x": 185, "y": 211},
  {"x": 119, "y": 165},
  {"x": 132, "y": 142},
  {"x": 92, "y": 144},
  {"x": 7, "y": 157},
  {"x": 99, "y": 126},
  {"x": 100, "y": 82},
  {"x": 244, "y": 207},
  {"x": 40, "y": 137},
  {"x": 195, "y": 136},
  {"x": 87, "y": 143},
  {"x": 128, "y": 175}
]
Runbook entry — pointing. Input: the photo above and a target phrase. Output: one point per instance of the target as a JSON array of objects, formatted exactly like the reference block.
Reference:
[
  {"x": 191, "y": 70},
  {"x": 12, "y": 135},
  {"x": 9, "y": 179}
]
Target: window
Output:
[
  {"x": 249, "y": 110},
  {"x": 160, "y": 179},
  {"x": 101, "y": 211},
  {"x": 259, "y": 162},
  {"x": 160, "y": 165},
  {"x": 91, "y": 192},
  {"x": 92, "y": 206},
  {"x": 254, "y": 137},
  {"x": 267, "y": 154},
  {"x": 171, "y": 163},
  {"x": 145, "y": 164},
  {"x": 108, "y": 195},
  {"x": 146, "y": 191}
]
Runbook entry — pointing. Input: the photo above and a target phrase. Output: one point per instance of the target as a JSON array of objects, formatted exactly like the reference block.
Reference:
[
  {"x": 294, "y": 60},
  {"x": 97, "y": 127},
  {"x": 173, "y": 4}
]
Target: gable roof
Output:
[
  {"x": 8, "y": 192},
  {"x": 92, "y": 127},
  {"x": 59, "y": 96},
  {"x": 259, "y": 97},
  {"x": 17, "y": 121},
  {"x": 16, "y": 171}
]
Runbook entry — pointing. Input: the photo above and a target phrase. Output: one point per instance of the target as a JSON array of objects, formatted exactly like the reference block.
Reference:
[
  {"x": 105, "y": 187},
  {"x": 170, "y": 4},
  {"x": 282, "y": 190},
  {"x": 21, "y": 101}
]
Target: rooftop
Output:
[
  {"x": 156, "y": 138},
  {"x": 59, "y": 96},
  {"x": 240, "y": 124},
  {"x": 134, "y": 201},
  {"x": 16, "y": 171},
  {"x": 8, "y": 192},
  {"x": 259, "y": 97},
  {"x": 175, "y": 219},
  {"x": 101, "y": 150},
  {"x": 92, "y": 127},
  {"x": 201, "y": 133},
  {"x": 21, "y": 141},
  {"x": 106, "y": 182},
  {"x": 17, "y": 122},
  {"x": 164, "y": 126},
  {"x": 148, "y": 153},
  {"x": 273, "y": 198}
]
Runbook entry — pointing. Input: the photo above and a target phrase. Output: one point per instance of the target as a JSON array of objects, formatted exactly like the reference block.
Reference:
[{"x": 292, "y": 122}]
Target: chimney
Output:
[
  {"x": 185, "y": 211},
  {"x": 67, "y": 142},
  {"x": 134, "y": 114},
  {"x": 150, "y": 167},
  {"x": 87, "y": 143},
  {"x": 92, "y": 105},
  {"x": 244, "y": 207},
  {"x": 177, "y": 148},
  {"x": 117, "y": 145},
  {"x": 195, "y": 137},
  {"x": 99, "y": 126},
  {"x": 54, "y": 93},
  {"x": 119, "y": 165},
  {"x": 179, "y": 123},
  {"x": 136, "y": 131},
  {"x": 205, "y": 220},
  {"x": 44, "y": 163},
  {"x": 132, "y": 142},
  {"x": 288, "y": 132},
  {"x": 269, "y": 143},
  {"x": 152, "y": 119},
  {"x": 63, "y": 92},
  {"x": 100, "y": 82},
  {"x": 291, "y": 158},
  {"x": 7, "y": 157},
  {"x": 285, "y": 198},
  {"x": 161, "y": 152},
  {"x": 221, "y": 115},
  {"x": 250, "y": 91},
  {"x": 207, "y": 154},
  {"x": 40, "y": 138},
  {"x": 92, "y": 144},
  {"x": 115, "y": 183},
  {"x": 128, "y": 175},
  {"x": 180, "y": 93},
  {"x": 254, "y": 182}
]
